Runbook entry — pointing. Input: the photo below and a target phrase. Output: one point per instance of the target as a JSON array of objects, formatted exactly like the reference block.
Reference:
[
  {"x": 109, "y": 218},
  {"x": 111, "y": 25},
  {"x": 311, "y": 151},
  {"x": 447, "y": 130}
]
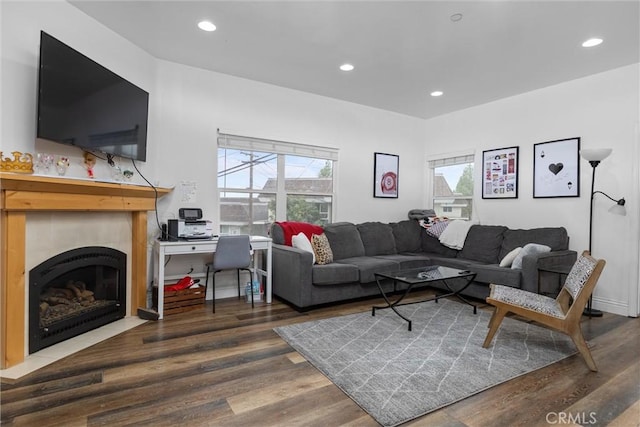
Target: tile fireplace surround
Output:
[{"x": 22, "y": 194}]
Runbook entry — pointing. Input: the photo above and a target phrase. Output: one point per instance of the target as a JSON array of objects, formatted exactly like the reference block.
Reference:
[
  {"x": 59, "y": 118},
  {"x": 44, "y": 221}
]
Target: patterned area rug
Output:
[{"x": 396, "y": 375}]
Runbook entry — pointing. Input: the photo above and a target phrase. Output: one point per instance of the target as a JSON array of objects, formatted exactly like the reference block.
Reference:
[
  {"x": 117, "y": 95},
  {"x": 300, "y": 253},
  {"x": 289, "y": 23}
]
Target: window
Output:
[
  {"x": 452, "y": 190},
  {"x": 261, "y": 181}
]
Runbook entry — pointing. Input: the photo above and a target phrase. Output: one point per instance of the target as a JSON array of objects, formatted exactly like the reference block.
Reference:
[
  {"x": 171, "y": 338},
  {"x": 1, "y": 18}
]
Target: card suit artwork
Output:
[{"x": 555, "y": 168}]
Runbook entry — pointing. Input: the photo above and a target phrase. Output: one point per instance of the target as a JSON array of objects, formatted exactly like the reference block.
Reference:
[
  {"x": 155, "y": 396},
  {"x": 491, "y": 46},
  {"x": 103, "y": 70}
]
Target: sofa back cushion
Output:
[
  {"x": 344, "y": 240},
  {"x": 483, "y": 243},
  {"x": 432, "y": 245},
  {"x": 554, "y": 237},
  {"x": 407, "y": 236},
  {"x": 377, "y": 238}
]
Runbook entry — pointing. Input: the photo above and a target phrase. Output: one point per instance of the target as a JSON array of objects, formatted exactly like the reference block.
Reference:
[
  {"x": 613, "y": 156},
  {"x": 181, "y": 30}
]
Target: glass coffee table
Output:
[{"x": 421, "y": 276}]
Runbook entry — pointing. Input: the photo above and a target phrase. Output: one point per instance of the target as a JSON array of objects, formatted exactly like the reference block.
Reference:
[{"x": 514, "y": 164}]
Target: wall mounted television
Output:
[{"x": 82, "y": 103}]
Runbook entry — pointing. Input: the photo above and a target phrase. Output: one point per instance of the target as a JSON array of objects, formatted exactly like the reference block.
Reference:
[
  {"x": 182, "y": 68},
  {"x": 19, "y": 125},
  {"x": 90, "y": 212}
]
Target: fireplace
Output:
[{"x": 75, "y": 292}]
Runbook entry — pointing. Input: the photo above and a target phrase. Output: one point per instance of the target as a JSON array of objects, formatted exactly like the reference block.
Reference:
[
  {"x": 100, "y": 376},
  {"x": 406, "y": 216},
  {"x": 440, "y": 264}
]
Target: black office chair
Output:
[{"x": 233, "y": 252}]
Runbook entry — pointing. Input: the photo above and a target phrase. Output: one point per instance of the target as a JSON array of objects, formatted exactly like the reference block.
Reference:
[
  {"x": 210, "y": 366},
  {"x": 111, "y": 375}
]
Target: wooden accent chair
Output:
[{"x": 562, "y": 313}]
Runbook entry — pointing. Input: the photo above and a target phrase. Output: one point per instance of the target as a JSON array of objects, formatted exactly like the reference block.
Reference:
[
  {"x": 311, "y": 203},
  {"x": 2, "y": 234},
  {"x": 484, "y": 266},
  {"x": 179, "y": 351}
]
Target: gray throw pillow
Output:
[{"x": 529, "y": 249}]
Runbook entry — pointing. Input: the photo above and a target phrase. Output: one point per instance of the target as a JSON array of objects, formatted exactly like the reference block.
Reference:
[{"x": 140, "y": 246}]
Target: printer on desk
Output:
[{"x": 189, "y": 226}]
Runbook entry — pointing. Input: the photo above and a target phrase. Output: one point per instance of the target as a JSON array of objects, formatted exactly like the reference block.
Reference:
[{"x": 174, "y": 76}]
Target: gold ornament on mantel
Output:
[{"x": 21, "y": 163}]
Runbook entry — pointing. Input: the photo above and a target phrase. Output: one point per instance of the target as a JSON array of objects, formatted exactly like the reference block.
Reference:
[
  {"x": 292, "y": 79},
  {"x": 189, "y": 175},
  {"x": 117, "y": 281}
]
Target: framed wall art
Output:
[
  {"x": 500, "y": 173},
  {"x": 556, "y": 168},
  {"x": 385, "y": 175}
]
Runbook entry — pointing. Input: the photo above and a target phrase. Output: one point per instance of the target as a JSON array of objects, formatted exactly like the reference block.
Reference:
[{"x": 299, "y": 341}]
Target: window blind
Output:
[
  {"x": 454, "y": 160},
  {"x": 273, "y": 146}
]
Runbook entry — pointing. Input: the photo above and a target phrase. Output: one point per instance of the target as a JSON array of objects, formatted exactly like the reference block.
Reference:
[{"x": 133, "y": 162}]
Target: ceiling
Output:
[{"x": 401, "y": 50}]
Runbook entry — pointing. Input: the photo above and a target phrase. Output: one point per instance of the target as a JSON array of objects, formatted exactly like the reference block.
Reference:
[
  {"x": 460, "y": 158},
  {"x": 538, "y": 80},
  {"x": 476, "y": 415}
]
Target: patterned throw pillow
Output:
[
  {"x": 321, "y": 248},
  {"x": 437, "y": 228}
]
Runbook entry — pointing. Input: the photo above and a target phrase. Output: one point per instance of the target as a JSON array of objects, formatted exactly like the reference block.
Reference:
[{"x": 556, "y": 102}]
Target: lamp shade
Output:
[
  {"x": 595, "y": 154},
  {"x": 618, "y": 208}
]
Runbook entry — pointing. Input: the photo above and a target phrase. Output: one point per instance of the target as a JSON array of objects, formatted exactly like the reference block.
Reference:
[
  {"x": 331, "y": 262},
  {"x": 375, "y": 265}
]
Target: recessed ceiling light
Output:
[
  {"x": 437, "y": 93},
  {"x": 347, "y": 67},
  {"x": 592, "y": 42},
  {"x": 456, "y": 17},
  {"x": 206, "y": 26}
]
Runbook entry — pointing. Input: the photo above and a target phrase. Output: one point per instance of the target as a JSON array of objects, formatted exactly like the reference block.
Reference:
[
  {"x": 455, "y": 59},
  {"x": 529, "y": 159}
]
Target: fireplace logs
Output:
[{"x": 58, "y": 303}]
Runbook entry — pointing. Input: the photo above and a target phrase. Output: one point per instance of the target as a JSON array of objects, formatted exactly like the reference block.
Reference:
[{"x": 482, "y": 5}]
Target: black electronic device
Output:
[
  {"x": 82, "y": 103},
  {"x": 190, "y": 214},
  {"x": 172, "y": 230}
]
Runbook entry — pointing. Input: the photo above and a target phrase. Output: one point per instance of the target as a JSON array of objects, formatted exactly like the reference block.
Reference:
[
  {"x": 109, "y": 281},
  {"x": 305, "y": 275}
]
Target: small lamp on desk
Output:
[{"x": 594, "y": 156}]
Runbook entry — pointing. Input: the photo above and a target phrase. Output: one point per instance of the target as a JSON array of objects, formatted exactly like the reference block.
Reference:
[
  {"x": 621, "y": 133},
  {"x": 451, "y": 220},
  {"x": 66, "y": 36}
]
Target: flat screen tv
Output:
[{"x": 82, "y": 103}]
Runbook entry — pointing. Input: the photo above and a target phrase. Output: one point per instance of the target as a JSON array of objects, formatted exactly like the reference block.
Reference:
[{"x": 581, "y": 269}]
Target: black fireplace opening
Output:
[{"x": 75, "y": 292}]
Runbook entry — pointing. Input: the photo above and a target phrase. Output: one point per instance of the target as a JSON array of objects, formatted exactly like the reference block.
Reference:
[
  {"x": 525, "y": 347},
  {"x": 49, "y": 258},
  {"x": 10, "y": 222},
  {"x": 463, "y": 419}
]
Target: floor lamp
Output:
[{"x": 594, "y": 157}]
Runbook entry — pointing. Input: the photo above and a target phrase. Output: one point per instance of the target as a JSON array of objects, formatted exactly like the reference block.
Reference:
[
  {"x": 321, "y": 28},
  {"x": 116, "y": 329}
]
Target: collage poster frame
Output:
[
  {"x": 385, "y": 175},
  {"x": 500, "y": 173}
]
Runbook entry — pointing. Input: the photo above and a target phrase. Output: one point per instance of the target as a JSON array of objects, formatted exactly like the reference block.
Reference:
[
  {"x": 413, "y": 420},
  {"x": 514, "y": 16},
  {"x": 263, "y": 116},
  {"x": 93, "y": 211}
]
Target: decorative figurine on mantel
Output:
[
  {"x": 89, "y": 163},
  {"x": 21, "y": 163}
]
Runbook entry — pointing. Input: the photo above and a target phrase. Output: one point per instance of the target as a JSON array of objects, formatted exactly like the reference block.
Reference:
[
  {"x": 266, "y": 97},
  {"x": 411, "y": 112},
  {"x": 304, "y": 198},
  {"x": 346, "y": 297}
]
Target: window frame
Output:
[
  {"x": 281, "y": 149},
  {"x": 450, "y": 159}
]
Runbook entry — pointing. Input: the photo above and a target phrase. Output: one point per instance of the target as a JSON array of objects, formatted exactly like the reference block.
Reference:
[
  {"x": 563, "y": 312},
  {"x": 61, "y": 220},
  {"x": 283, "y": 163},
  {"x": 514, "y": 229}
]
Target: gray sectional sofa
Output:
[{"x": 360, "y": 250}]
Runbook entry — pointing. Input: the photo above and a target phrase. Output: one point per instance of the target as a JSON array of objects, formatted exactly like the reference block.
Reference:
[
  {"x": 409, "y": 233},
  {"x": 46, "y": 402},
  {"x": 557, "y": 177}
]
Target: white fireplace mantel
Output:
[{"x": 20, "y": 194}]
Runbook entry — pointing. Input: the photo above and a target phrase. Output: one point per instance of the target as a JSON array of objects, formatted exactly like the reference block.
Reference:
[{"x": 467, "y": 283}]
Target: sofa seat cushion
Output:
[
  {"x": 407, "y": 235},
  {"x": 344, "y": 240},
  {"x": 554, "y": 237},
  {"x": 493, "y": 273},
  {"x": 485, "y": 273},
  {"x": 334, "y": 274},
  {"x": 431, "y": 244},
  {"x": 483, "y": 243},
  {"x": 406, "y": 261},
  {"x": 377, "y": 238},
  {"x": 370, "y": 265},
  {"x": 459, "y": 263}
]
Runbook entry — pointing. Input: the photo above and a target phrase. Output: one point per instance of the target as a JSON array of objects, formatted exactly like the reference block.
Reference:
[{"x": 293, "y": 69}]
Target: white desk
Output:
[{"x": 161, "y": 249}]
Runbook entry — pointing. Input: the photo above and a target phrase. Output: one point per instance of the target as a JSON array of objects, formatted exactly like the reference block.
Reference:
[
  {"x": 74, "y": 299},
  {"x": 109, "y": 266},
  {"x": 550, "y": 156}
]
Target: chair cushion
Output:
[
  {"x": 579, "y": 275},
  {"x": 528, "y": 300}
]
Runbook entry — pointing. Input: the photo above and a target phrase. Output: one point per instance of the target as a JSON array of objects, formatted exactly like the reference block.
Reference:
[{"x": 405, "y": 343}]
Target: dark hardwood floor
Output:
[{"x": 231, "y": 369}]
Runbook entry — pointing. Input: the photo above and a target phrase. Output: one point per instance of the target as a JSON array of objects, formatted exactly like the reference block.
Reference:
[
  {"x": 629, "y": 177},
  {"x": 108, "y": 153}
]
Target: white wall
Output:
[
  {"x": 603, "y": 111},
  {"x": 194, "y": 103}
]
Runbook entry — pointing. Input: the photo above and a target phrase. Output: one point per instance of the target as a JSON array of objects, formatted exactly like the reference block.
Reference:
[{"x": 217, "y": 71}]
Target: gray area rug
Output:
[{"x": 396, "y": 375}]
